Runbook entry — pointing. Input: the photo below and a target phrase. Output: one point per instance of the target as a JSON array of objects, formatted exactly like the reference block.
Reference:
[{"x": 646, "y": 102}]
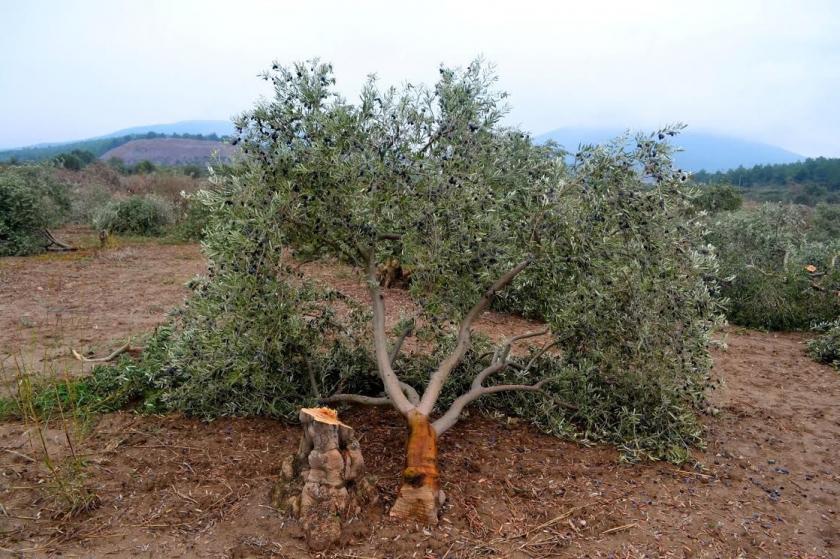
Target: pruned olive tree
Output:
[
  {"x": 427, "y": 177},
  {"x": 604, "y": 250},
  {"x": 431, "y": 178}
]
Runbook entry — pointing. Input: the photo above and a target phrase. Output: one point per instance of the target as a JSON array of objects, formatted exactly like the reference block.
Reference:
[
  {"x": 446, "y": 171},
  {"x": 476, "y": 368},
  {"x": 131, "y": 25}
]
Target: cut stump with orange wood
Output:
[{"x": 420, "y": 496}]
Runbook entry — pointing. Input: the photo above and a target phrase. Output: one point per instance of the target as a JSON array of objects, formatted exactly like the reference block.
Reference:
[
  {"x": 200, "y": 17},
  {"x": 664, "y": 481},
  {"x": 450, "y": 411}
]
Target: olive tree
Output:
[
  {"x": 601, "y": 246},
  {"x": 432, "y": 179}
]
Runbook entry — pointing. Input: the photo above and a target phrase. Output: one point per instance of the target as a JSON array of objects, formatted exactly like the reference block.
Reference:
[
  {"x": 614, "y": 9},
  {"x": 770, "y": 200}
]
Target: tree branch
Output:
[
  {"x": 398, "y": 344},
  {"x": 110, "y": 357},
  {"x": 450, "y": 418},
  {"x": 498, "y": 363},
  {"x": 439, "y": 377},
  {"x": 357, "y": 399},
  {"x": 313, "y": 382},
  {"x": 380, "y": 342},
  {"x": 501, "y": 354},
  {"x": 51, "y": 240}
]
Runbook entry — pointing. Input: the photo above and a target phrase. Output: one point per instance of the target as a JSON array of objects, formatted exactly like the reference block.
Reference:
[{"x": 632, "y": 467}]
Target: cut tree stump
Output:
[{"x": 323, "y": 485}]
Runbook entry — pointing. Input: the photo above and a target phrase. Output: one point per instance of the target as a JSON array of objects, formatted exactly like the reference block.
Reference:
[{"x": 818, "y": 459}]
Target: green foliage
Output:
[
  {"x": 31, "y": 200},
  {"x": 192, "y": 220},
  {"x": 140, "y": 215},
  {"x": 194, "y": 171},
  {"x": 825, "y": 222},
  {"x": 430, "y": 177},
  {"x": 623, "y": 281},
  {"x": 826, "y": 347},
  {"x": 252, "y": 333},
  {"x": 764, "y": 257},
  {"x": 118, "y": 165},
  {"x": 718, "y": 198}
]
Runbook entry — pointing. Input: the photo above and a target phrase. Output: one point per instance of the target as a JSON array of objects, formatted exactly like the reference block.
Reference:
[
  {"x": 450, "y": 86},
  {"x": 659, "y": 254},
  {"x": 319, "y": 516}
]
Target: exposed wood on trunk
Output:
[{"x": 420, "y": 496}]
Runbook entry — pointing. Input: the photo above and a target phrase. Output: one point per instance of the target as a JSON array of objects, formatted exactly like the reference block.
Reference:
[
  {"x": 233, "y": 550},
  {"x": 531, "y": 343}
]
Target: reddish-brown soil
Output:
[
  {"x": 90, "y": 300},
  {"x": 767, "y": 485}
]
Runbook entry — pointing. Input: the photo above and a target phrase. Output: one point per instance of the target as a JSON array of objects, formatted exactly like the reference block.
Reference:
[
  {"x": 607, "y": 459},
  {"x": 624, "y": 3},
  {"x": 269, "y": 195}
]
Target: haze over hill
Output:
[
  {"x": 197, "y": 130},
  {"x": 701, "y": 150}
]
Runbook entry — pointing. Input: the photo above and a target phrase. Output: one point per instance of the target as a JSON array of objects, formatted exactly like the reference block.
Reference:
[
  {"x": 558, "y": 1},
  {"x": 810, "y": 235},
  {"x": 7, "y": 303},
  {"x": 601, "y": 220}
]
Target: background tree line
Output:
[{"x": 804, "y": 182}]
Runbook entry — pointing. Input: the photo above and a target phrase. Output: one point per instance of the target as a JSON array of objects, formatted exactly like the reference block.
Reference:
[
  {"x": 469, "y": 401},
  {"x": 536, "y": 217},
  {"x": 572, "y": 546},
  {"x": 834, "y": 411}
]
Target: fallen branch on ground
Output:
[
  {"x": 110, "y": 357},
  {"x": 55, "y": 245}
]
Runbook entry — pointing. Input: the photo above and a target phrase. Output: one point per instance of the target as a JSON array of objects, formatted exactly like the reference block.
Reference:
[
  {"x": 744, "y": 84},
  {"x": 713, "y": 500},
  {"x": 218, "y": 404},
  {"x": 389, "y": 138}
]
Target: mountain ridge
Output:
[
  {"x": 703, "y": 150},
  {"x": 203, "y": 127},
  {"x": 709, "y": 151}
]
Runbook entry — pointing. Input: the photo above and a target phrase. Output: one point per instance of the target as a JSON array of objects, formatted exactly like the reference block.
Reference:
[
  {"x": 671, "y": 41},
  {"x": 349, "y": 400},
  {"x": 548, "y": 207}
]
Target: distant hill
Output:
[
  {"x": 220, "y": 128},
  {"x": 43, "y": 152},
  {"x": 169, "y": 151},
  {"x": 702, "y": 151},
  {"x": 212, "y": 130}
]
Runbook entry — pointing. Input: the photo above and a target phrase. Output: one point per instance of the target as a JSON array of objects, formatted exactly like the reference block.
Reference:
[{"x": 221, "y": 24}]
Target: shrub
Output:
[
  {"x": 772, "y": 275},
  {"x": 166, "y": 185},
  {"x": 139, "y": 215},
  {"x": 87, "y": 200},
  {"x": 117, "y": 165},
  {"x": 718, "y": 198},
  {"x": 193, "y": 171},
  {"x": 826, "y": 348},
  {"x": 193, "y": 218},
  {"x": 31, "y": 200}
]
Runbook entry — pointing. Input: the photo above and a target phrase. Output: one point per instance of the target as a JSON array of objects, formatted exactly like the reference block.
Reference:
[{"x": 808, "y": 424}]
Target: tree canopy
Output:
[{"x": 604, "y": 250}]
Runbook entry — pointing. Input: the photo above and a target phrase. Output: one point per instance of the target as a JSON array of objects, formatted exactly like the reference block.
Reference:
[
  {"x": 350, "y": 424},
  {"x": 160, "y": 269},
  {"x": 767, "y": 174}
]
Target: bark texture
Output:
[
  {"x": 420, "y": 496},
  {"x": 323, "y": 485}
]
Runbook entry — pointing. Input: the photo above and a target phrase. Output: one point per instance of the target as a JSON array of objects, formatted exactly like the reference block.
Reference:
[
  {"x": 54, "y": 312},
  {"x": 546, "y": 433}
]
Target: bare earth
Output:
[{"x": 767, "y": 485}]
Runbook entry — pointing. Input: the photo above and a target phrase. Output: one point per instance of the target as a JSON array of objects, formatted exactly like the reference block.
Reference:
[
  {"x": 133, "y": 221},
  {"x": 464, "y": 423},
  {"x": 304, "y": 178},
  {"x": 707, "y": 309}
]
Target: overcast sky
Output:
[{"x": 762, "y": 70}]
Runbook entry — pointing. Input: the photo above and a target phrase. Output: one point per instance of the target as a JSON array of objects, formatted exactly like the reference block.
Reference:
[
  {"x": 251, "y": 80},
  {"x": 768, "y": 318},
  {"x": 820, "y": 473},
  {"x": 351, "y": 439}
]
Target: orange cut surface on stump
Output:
[{"x": 323, "y": 415}]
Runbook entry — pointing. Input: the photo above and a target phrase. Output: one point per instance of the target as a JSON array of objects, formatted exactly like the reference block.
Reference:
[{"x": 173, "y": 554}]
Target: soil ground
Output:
[{"x": 767, "y": 485}]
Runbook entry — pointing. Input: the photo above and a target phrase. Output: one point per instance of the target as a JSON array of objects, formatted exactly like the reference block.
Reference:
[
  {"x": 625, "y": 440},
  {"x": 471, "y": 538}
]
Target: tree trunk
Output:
[
  {"x": 420, "y": 495},
  {"x": 323, "y": 484}
]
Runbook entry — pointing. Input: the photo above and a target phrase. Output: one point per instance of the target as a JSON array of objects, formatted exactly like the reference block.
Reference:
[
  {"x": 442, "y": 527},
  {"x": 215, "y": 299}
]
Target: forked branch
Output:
[
  {"x": 408, "y": 390},
  {"x": 477, "y": 389},
  {"x": 439, "y": 377},
  {"x": 54, "y": 244},
  {"x": 450, "y": 418}
]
